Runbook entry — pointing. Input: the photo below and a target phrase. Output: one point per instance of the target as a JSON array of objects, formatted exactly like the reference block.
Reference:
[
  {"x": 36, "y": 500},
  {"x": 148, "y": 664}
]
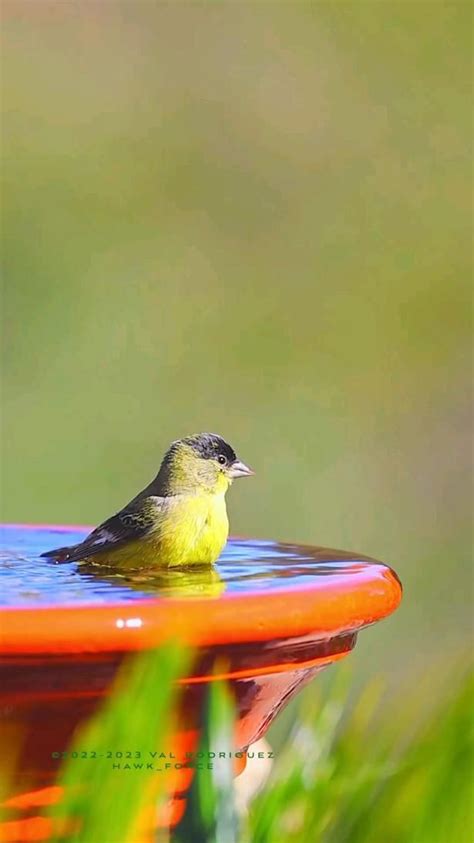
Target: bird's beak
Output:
[{"x": 239, "y": 469}]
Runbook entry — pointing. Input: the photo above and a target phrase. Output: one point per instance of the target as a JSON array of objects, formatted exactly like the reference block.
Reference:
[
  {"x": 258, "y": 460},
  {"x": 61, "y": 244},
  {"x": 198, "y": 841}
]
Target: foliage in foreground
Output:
[
  {"x": 104, "y": 805},
  {"x": 347, "y": 774},
  {"x": 353, "y": 777}
]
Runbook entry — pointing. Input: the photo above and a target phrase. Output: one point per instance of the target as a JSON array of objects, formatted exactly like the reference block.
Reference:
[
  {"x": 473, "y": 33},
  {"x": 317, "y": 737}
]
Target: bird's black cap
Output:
[{"x": 210, "y": 446}]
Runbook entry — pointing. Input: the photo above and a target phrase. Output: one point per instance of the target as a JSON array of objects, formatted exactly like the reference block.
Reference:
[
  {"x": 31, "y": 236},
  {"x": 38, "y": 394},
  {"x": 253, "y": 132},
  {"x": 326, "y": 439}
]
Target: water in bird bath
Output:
[{"x": 245, "y": 565}]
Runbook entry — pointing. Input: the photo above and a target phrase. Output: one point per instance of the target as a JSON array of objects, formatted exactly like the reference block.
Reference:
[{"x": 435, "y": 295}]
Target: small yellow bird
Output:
[{"x": 179, "y": 519}]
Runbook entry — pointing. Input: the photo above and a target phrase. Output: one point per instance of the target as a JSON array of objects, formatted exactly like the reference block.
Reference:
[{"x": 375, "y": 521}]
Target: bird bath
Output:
[{"x": 277, "y": 614}]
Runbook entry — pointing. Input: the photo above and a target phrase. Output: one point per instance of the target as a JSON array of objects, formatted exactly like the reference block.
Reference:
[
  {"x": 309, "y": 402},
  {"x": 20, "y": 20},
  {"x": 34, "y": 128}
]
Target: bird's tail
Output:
[{"x": 62, "y": 554}]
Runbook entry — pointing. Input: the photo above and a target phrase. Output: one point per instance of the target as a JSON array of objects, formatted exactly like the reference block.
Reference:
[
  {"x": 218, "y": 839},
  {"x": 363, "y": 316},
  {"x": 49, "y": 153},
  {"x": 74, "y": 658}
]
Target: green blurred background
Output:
[{"x": 251, "y": 218}]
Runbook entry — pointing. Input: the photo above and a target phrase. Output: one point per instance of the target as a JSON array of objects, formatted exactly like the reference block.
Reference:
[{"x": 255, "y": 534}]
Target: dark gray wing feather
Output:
[{"x": 133, "y": 522}]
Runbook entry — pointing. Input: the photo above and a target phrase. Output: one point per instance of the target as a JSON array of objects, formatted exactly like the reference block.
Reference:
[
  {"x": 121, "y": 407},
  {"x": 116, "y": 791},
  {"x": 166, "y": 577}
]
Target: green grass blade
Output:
[
  {"x": 106, "y": 804},
  {"x": 210, "y": 815}
]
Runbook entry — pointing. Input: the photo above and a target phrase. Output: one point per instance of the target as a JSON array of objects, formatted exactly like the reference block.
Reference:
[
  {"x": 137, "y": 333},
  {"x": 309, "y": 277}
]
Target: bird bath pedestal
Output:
[{"x": 274, "y": 614}]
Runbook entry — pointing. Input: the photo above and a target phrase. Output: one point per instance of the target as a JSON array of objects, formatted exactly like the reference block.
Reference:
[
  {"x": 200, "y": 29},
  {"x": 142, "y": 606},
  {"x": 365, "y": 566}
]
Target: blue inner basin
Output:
[{"x": 245, "y": 565}]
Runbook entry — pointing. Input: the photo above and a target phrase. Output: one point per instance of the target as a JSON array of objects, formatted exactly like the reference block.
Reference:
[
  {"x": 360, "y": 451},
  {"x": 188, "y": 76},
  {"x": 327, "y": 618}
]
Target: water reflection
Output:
[
  {"x": 197, "y": 581},
  {"x": 245, "y": 565}
]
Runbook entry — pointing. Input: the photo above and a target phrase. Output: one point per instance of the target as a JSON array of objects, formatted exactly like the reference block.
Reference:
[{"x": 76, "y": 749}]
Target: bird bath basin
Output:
[{"x": 275, "y": 614}]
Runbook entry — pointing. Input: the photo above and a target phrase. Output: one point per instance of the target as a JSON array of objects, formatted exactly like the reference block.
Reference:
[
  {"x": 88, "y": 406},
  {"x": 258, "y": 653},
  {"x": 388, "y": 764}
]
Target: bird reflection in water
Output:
[{"x": 182, "y": 582}]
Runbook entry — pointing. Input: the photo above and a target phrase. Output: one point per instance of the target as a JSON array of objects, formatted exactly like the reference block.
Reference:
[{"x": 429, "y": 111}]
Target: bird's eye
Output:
[{"x": 221, "y": 459}]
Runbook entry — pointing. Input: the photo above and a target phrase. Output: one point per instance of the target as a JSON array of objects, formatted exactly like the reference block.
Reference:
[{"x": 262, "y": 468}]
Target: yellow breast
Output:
[{"x": 195, "y": 531}]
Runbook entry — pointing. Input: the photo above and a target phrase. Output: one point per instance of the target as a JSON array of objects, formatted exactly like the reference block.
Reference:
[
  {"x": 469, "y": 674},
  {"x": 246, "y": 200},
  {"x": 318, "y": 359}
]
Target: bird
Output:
[{"x": 179, "y": 519}]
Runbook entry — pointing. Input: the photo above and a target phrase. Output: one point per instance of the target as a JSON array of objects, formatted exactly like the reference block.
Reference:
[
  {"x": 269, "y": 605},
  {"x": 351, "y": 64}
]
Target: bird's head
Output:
[{"x": 202, "y": 462}]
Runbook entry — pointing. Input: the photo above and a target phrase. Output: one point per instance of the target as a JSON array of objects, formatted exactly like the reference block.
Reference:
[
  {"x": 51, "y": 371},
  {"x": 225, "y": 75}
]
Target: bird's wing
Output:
[{"x": 135, "y": 521}]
